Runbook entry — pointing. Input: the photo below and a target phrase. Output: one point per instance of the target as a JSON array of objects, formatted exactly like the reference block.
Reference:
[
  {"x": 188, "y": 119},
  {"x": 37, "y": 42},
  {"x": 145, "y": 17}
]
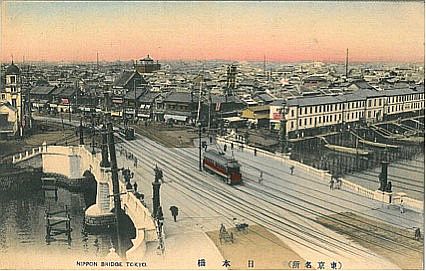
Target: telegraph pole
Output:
[
  {"x": 81, "y": 131},
  {"x": 115, "y": 188},
  {"x": 283, "y": 132},
  {"x": 199, "y": 147},
  {"x": 104, "y": 162},
  {"x": 93, "y": 135}
]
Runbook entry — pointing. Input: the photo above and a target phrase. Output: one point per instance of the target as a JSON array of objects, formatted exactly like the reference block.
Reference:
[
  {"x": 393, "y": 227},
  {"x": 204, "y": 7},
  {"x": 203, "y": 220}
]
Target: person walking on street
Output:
[
  {"x": 175, "y": 211},
  {"x": 255, "y": 152},
  {"x": 331, "y": 183},
  {"x": 232, "y": 145},
  {"x": 291, "y": 170},
  {"x": 417, "y": 234},
  {"x": 401, "y": 207},
  {"x": 135, "y": 164},
  {"x": 261, "y": 177},
  {"x": 225, "y": 147},
  {"x": 135, "y": 187}
]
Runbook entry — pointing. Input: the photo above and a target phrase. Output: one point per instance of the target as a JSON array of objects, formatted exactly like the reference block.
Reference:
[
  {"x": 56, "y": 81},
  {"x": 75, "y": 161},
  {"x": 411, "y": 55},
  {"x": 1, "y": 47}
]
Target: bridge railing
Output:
[{"x": 325, "y": 176}]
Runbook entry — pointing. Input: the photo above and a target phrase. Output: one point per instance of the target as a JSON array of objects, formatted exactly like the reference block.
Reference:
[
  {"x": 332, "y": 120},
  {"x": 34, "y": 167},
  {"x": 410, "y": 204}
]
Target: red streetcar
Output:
[{"x": 226, "y": 167}]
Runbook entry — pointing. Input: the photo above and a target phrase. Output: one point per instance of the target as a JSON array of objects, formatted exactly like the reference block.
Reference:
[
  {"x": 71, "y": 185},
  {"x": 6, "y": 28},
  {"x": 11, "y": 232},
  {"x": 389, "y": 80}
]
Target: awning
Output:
[{"x": 175, "y": 117}]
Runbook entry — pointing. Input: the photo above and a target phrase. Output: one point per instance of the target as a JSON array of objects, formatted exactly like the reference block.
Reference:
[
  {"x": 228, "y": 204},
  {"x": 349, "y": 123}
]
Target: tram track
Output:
[
  {"x": 222, "y": 191},
  {"x": 307, "y": 203},
  {"x": 281, "y": 220},
  {"x": 302, "y": 187}
]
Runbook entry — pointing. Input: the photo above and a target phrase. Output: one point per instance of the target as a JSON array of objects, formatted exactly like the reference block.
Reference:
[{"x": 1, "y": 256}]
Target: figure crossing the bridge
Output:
[
  {"x": 292, "y": 170},
  {"x": 175, "y": 211}
]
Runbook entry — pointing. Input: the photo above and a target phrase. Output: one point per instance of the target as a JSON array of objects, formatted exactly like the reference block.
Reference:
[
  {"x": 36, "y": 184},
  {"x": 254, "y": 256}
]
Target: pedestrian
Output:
[
  {"x": 175, "y": 211},
  {"x": 417, "y": 234},
  {"x": 331, "y": 183},
  {"x": 338, "y": 183},
  {"x": 135, "y": 187},
  {"x": 129, "y": 186},
  {"x": 135, "y": 162},
  {"x": 232, "y": 145},
  {"x": 261, "y": 177},
  {"x": 225, "y": 147},
  {"x": 401, "y": 207},
  {"x": 291, "y": 170},
  {"x": 255, "y": 152},
  {"x": 211, "y": 140}
]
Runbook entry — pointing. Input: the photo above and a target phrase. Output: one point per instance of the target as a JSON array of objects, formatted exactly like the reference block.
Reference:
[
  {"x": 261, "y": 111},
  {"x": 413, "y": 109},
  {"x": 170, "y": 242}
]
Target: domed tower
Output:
[{"x": 13, "y": 92}]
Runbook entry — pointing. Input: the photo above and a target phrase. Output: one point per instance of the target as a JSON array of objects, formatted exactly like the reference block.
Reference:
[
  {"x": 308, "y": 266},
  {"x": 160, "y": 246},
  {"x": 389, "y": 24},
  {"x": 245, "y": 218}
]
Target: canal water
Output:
[{"x": 23, "y": 226}]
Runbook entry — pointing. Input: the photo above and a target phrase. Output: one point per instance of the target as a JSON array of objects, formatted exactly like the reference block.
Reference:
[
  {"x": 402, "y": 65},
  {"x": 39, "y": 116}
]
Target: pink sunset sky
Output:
[{"x": 281, "y": 31}]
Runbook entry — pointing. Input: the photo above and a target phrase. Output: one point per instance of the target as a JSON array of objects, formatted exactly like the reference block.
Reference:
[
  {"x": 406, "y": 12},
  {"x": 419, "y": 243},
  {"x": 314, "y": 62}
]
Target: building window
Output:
[
  {"x": 300, "y": 111},
  {"x": 12, "y": 79},
  {"x": 292, "y": 113},
  {"x": 323, "y": 119},
  {"x": 305, "y": 121},
  {"x": 316, "y": 109},
  {"x": 300, "y": 122},
  {"x": 369, "y": 114},
  {"x": 352, "y": 115},
  {"x": 369, "y": 103},
  {"x": 306, "y": 110},
  {"x": 310, "y": 121},
  {"x": 380, "y": 102},
  {"x": 14, "y": 102},
  {"x": 310, "y": 110},
  {"x": 320, "y": 108},
  {"x": 291, "y": 124}
]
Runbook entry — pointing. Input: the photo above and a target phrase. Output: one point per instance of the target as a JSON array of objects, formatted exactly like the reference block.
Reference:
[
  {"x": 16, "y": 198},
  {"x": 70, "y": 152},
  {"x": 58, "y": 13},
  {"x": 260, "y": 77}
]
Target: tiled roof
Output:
[
  {"x": 42, "y": 90},
  {"x": 181, "y": 97}
]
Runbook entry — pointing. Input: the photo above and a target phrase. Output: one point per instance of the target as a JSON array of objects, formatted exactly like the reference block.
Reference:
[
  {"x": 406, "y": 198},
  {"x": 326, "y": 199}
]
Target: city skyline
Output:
[{"x": 244, "y": 31}]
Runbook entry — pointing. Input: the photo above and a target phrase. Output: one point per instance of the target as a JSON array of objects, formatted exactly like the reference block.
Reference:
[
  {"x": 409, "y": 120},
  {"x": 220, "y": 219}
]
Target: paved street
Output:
[{"x": 286, "y": 204}]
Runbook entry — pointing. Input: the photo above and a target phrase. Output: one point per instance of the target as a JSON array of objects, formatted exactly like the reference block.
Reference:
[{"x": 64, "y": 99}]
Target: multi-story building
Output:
[
  {"x": 12, "y": 94},
  {"x": 313, "y": 114}
]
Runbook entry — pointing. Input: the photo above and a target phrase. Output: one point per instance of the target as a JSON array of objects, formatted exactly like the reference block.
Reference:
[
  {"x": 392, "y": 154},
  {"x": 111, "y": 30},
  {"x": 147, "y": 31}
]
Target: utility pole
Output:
[
  {"x": 347, "y": 63},
  {"x": 104, "y": 162},
  {"x": 81, "y": 131},
  {"x": 264, "y": 65},
  {"x": 199, "y": 147},
  {"x": 115, "y": 189},
  {"x": 69, "y": 110},
  {"x": 93, "y": 135},
  {"x": 283, "y": 128}
]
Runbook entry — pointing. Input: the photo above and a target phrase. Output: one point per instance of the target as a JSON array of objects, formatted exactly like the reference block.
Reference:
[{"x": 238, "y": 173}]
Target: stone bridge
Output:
[{"x": 73, "y": 162}]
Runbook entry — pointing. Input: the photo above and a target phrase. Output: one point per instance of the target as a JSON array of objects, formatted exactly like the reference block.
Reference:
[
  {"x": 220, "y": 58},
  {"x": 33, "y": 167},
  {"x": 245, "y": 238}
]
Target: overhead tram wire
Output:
[
  {"x": 344, "y": 199},
  {"x": 214, "y": 188}
]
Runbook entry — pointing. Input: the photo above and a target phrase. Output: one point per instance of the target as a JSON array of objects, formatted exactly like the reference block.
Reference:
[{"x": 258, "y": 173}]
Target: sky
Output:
[{"x": 278, "y": 31}]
